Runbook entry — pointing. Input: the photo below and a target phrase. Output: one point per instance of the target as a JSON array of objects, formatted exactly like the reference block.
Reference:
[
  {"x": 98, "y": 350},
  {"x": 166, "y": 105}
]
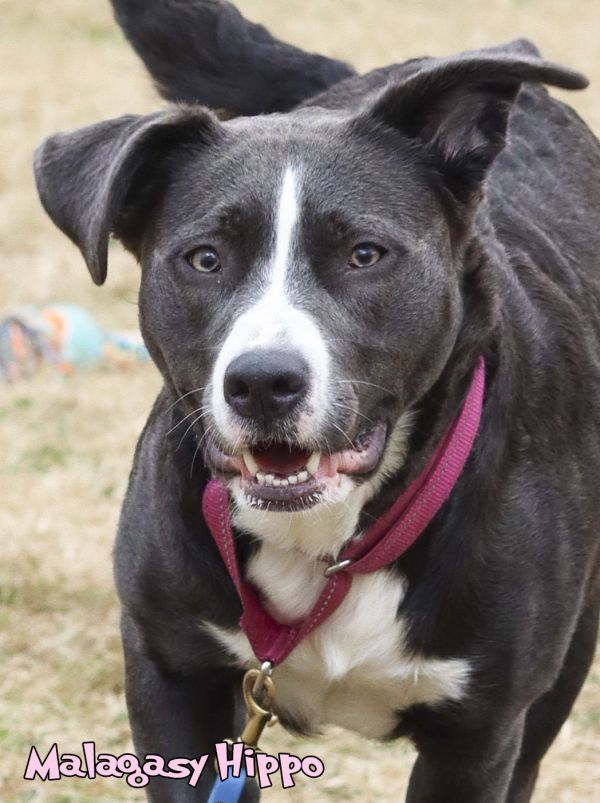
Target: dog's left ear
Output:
[
  {"x": 458, "y": 109},
  {"x": 100, "y": 180}
]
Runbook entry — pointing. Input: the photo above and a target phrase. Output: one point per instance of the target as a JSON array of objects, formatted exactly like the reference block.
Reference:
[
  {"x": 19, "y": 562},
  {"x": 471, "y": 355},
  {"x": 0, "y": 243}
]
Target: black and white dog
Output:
[{"x": 321, "y": 272}]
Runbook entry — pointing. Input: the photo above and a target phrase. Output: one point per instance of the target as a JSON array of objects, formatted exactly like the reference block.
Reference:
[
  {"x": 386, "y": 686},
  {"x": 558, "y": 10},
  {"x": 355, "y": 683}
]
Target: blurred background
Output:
[{"x": 67, "y": 441}]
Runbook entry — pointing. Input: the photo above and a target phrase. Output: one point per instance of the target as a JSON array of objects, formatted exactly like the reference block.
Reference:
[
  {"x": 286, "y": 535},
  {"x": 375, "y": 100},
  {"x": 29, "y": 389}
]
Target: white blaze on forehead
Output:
[
  {"x": 273, "y": 321},
  {"x": 287, "y": 215}
]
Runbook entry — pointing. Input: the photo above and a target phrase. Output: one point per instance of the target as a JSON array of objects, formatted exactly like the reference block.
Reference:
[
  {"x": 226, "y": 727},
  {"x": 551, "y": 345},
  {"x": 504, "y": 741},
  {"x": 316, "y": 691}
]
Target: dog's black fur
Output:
[
  {"x": 206, "y": 52},
  {"x": 504, "y": 181}
]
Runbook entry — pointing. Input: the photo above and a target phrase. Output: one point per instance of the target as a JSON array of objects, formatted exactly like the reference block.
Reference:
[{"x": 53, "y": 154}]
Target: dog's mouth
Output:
[{"x": 281, "y": 476}]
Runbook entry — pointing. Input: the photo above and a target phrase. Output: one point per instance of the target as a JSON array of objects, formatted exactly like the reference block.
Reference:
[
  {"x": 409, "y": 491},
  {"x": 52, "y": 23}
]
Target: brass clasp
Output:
[
  {"x": 259, "y": 693},
  {"x": 257, "y": 683}
]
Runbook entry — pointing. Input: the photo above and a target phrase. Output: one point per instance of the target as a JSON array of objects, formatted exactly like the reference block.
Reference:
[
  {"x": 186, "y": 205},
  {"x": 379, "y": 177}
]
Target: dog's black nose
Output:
[{"x": 266, "y": 384}]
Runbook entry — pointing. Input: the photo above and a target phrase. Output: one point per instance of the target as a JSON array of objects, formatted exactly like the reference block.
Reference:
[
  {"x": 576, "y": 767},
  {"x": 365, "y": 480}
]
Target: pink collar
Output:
[{"x": 385, "y": 541}]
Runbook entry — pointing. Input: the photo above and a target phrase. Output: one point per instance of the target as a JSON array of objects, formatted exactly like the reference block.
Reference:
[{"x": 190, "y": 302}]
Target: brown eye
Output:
[
  {"x": 204, "y": 259},
  {"x": 365, "y": 255}
]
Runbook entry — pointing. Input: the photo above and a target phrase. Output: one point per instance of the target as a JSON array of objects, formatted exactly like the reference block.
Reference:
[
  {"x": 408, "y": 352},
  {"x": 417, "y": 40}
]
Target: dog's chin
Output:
[{"x": 286, "y": 478}]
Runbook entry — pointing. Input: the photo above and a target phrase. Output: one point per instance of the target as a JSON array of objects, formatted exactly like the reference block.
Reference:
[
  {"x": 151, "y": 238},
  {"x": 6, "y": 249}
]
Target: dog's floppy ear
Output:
[
  {"x": 458, "y": 108},
  {"x": 88, "y": 179}
]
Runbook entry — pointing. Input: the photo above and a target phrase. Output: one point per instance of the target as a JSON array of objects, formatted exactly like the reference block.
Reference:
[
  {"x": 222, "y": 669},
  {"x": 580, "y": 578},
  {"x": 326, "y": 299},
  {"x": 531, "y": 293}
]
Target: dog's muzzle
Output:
[{"x": 268, "y": 395}]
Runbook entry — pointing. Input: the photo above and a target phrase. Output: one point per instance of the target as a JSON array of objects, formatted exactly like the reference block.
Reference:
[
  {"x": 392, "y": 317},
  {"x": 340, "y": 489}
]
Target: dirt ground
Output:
[{"x": 66, "y": 444}]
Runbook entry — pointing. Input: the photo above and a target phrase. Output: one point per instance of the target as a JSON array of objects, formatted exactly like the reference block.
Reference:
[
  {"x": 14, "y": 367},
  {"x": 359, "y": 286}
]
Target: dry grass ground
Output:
[{"x": 67, "y": 444}]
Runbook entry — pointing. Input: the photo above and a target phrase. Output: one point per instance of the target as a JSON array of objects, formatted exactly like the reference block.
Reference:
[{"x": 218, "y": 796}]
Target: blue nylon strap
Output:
[{"x": 228, "y": 791}]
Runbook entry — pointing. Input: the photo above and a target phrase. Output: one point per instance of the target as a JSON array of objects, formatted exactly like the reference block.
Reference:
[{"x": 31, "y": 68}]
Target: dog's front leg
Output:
[
  {"x": 179, "y": 715},
  {"x": 460, "y": 766}
]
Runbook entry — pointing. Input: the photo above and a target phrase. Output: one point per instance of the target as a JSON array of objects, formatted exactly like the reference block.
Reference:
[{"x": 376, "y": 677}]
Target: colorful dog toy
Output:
[{"x": 63, "y": 336}]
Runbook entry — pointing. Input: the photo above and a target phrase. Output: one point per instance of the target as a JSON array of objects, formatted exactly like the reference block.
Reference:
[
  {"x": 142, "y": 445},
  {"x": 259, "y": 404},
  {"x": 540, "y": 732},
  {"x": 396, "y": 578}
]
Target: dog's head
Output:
[{"x": 303, "y": 275}]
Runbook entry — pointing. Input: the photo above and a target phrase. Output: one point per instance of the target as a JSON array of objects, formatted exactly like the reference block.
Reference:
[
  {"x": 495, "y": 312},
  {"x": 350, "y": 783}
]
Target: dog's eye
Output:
[
  {"x": 365, "y": 255},
  {"x": 204, "y": 259}
]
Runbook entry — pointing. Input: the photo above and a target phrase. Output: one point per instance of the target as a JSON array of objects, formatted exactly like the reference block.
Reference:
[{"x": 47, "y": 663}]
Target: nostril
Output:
[
  {"x": 237, "y": 389},
  {"x": 288, "y": 385}
]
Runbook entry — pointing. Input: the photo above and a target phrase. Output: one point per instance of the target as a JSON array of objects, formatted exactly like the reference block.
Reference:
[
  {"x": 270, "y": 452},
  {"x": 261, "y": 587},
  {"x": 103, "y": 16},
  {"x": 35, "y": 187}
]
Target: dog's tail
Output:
[{"x": 205, "y": 51}]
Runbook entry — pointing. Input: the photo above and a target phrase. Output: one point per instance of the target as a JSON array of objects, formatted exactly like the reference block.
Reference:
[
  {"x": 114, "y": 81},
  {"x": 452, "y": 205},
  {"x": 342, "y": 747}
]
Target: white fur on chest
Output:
[{"x": 354, "y": 670}]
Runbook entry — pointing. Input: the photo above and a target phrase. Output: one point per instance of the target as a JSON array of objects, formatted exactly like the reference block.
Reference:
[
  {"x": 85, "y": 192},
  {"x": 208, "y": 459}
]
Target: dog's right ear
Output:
[
  {"x": 457, "y": 109},
  {"x": 89, "y": 179}
]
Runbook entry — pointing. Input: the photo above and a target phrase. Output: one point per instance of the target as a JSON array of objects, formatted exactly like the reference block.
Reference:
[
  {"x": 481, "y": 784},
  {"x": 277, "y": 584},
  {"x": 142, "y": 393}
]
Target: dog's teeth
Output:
[
  {"x": 313, "y": 462},
  {"x": 280, "y": 482},
  {"x": 250, "y": 462}
]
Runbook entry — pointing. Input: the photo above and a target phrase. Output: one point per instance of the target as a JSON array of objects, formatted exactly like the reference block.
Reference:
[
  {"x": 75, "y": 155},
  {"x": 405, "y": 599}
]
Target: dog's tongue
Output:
[{"x": 280, "y": 459}]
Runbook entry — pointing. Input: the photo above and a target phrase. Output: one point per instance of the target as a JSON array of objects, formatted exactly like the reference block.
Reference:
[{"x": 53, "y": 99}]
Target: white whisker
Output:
[
  {"x": 204, "y": 409},
  {"x": 181, "y": 398},
  {"x": 345, "y": 434},
  {"x": 363, "y": 382},
  {"x": 198, "y": 446},
  {"x": 356, "y": 412},
  {"x": 195, "y": 421}
]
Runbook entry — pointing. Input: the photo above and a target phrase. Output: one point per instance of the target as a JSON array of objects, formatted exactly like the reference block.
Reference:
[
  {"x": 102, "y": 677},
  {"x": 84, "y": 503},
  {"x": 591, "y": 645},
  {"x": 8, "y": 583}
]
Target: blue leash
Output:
[{"x": 228, "y": 791}]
